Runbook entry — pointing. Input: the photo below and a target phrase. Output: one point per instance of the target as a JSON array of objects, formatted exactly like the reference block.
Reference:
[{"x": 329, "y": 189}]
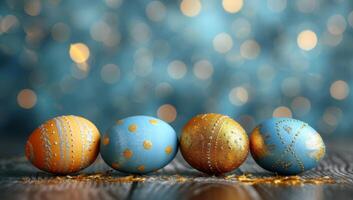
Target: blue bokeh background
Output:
[{"x": 154, "y": 58}]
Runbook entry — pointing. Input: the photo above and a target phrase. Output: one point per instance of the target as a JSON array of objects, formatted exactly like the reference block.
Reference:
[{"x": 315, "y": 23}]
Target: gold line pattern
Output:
[{"x": 288, "y": 148}]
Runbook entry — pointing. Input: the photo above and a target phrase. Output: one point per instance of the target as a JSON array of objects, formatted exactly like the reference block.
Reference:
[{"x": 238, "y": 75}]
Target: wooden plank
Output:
[{"x": 19, "y": 180}]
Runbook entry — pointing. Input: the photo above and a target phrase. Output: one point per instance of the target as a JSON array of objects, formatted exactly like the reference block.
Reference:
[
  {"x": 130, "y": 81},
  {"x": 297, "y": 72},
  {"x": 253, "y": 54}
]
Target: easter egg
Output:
[
  {"x": 214, "y": 143},
  {"x": 139, "y": 144},
  {"x": 286, "y": 146},
  {"x": 63, "y": 145}
]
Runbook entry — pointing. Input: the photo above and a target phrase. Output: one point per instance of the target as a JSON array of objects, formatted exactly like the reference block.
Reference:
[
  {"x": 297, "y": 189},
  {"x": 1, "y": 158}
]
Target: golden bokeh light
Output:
[
  {"x": 32, "y": 7},
  {"x": 307, "y": 40},
  {"x": 167, "y": 113},
  {"x": 250, "y": 49},
  {"x": 301, "y": 105},
  {"x": 26, "y": 98},
  {"x": 339, "y": 90},
  {"x": 282, "y": 111},
  {"x": 336, "y": 24},
  {"x": 177, "y": 69},
  {"x": 156, "y": 11},
  {"x": 79, "y": 52},
  {"x": 203, "y": 69},
  {"x": 238, "y": 96},
  {"x": 332, "y": 115},
  {"x": 232, "y": 6},
  {"x": 8, "y": 23},
  {"x": 222, "y": 43},
  {"x": 190, "y": 8}
]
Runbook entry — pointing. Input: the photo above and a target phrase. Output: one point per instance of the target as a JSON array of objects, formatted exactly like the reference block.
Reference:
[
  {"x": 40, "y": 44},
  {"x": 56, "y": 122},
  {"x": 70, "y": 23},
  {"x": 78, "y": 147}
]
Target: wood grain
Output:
[{"x": 19, "y": 180}]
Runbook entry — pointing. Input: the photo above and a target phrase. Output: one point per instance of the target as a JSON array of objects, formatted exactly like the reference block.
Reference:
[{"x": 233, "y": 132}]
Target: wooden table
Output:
[{"x": 332, "y": 179}]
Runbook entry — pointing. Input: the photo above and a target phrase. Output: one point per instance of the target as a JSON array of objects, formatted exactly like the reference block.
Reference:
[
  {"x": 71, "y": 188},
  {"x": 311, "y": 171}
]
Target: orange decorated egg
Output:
[{"x": 63, "y": 145}]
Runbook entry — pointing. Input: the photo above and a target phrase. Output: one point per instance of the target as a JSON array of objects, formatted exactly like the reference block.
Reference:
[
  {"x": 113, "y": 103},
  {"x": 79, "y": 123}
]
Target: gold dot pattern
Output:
[
  {"x": 105, "y": 140},
  {"x": 115, "y": 165},
  {"x": 147, "y": 144},
  {"x": 168, "y": 150},
  {"x": 127, "y": 153},
  {"x": 153, "y": 121},
  {"x": 133, "y": 128},
  {"x": 141, "y": 168},
  {"x": 288, "y": 147},
  {"x": 318, "y": 154}
]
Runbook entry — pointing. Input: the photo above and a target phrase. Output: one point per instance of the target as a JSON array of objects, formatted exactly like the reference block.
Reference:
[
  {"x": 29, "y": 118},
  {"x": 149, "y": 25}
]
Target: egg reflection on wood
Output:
[
  {"x": 63, "y": 145},
  {"x": 214, "y": 143},
  {"x": 139, "y": 144},
  {"x": 286, "y": 146}
]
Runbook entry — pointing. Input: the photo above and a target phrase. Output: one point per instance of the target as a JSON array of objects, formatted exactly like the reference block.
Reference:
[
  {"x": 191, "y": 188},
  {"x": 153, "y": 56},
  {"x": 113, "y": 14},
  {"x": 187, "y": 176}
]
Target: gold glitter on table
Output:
[
  {"x": 248, "y": 179},
  {"x": 281, "y": 180},
  {"x": 100, "y": 178}
]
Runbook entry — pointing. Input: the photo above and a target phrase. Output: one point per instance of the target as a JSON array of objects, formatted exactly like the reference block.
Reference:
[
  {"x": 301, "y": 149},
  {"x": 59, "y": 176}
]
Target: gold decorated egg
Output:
[
  {"x": 214, "y": 143},
  {"x": 63, "y": 145}
]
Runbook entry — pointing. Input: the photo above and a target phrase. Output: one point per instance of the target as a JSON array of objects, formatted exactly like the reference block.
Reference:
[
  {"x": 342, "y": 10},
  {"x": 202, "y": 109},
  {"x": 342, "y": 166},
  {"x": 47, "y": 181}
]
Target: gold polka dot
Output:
[
  {"x": 147, "y": 144},
  {"x": 115, "y": 165},
  {"x": 141, "y": 168},
  {"x": 153, "y": 121},
  {"x": 168, "y": 149},
  {"x": 106, "y": 140},
  {"x": 133, "y": 128},
  {"x": 119, "y": 122},
  {"x": 127, "y": 153}
]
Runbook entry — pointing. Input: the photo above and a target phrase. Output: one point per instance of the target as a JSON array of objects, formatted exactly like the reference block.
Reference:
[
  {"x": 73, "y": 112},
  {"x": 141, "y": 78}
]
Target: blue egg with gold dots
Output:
[
  {"x": 286, "y": 146},
  {"x": 139, "y": 144}
]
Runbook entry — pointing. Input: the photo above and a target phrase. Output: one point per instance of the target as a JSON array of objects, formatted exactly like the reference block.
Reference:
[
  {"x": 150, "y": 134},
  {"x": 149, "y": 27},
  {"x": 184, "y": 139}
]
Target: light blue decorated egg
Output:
[
  {"x": 139, "y": 144},
  {"x": 286, "y": 146}
]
